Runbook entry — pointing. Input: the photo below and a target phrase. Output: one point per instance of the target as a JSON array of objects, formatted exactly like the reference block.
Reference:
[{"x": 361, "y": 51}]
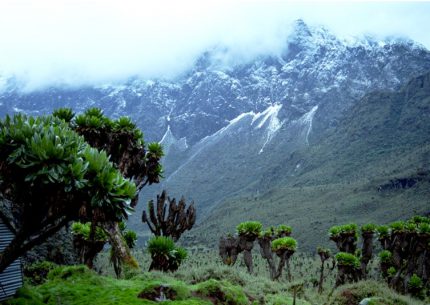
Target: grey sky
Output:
[{"x": 75, "y": 42}]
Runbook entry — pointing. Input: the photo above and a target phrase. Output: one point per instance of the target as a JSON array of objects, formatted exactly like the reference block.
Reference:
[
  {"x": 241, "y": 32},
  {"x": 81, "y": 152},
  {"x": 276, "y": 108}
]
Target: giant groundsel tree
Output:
[{"x": 50, "y": 175}]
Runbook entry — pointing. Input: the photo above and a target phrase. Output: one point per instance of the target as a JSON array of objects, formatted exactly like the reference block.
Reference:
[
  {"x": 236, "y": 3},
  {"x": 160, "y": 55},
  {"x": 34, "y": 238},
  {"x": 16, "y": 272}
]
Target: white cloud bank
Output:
[{"x": 76, "y": 42}]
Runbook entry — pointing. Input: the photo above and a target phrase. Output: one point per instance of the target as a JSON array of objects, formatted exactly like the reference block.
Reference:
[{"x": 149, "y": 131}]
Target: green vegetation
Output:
[
  {"x": 349, "y": 229},
  {"x": 284, "y": 243},
  {"x": 79, "y": 286},
  {"x": 57, "y": 177},
  {"x": 283, "y": 230},
  {"x": 165, "y": 255},
  {"x": 249, "y": 228},
  {"x": 84, "y": 229},
  {"x": 347, "y": 259},
  {"x": 369, "y": 228},
  {"x": 385, "y": 256}
]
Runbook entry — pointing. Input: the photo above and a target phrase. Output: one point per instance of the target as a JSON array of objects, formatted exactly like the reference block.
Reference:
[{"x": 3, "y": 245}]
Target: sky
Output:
[{"x": 93, "y": 42}]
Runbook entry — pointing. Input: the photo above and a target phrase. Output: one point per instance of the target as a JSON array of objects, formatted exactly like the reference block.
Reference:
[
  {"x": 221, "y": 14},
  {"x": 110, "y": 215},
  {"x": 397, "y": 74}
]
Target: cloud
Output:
[{"x": 77, "y": 42}]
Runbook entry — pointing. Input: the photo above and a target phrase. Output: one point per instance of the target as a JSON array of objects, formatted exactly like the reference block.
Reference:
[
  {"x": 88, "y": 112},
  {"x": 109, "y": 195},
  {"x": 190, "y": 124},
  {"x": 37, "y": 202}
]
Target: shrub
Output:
[
  {"x": 65, "y": 114},
  {"x": 249, "y": 228},
  {"x": 424, "y": 228},
  {"x": 222, "y": 292},
  {"x": 84, "y": 229},
  {"x": 130, "y": 238},
  {"x": 385, "y": 256},
  {"x": 283, "y": 230},
  {"x": 268, "y": 232},
  {"x": 347, "y": 259},
  {"x": 415, "y": 282},
  {"x": 323, "y": 251},
  {"x": 165, "y": 255},
  {"x": 397, "y": 226},
  {"x": 383, "y": 231},
  {"x": 391, "y": 271},
  {"x": 368, "y": 228},
  {"x": 284, "y": 243},
  {"x": 350, "y": 229},
  {"x": 160, "y": 245},
  {"x": 38, "y": 272}
]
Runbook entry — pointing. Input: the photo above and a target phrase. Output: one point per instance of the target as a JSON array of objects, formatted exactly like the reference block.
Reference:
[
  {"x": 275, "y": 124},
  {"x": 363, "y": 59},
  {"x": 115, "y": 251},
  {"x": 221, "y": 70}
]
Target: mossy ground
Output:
[{"x": 204, "y": 280}]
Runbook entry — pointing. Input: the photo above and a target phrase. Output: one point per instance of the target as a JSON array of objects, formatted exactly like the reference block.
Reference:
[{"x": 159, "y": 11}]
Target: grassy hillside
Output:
[
  {"x": 373, "y": 167},
  {"x": 202, "y": 280}
]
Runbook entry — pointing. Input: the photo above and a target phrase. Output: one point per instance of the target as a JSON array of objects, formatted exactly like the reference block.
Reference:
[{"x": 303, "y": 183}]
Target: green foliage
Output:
[
  {"x": 282, "y": 230},
  {"x": 84, "y": 230},
  {"x": 378, "y": 292},
  {"x": 249, "y": 228},
  {"x": 284, "y": 243},
  {"x": 369, "y": 228},
  {"x": 415, "y": 282},
  {"x": 45, "y": 151},
  {"x": 410, "y": 227},
  {"x": 269, "y": 232},
  {"x": 391, "y": 271},
  {"x": 38, "y": 272},
  {"x": 397, "y": 226},
  {"x": 179, "y": 254},
  {"x": 223, "y": 291},
  {"x": 323, "y": 250},
  {"x": 347, "y": 259},
  {"x": 165, "y": 255},
  {"x": 420, "y": 219},
  {"x": 424, "y": 228},
  {"x": 124, "y": 124},
  {"x": 385, "y": 256},
  {"x": 130, "y": 238},
  {"x": 65, "y": 114},
  {"x": 67, "y": 272},
  {"x": 155, "y": 150},
  {"x": 349, "y": 229},
  {"x": 160, "y": 245},
  {"x": 383, "y": 231}
]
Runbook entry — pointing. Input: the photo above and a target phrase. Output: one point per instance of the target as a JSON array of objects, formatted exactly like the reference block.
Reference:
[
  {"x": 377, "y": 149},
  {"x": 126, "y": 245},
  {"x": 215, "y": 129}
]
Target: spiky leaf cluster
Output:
[
  {"x": 251, "y": 228},
  {"x": 284, "y": 243},
  {"x": 166, "y": 256},
  {"x": 369, "y": 228},
  {"x": 283, "y": 230},
  {"x": 122, "y": 141},
  {"x": 415, "y": 282},
  {"x": 47, "y": 159},
  {"x": 385, "y": 256},
  {"x": 348, "y": 229},
  {"x": 347, "y": 259},
  {"x": 84, "y": 230}
]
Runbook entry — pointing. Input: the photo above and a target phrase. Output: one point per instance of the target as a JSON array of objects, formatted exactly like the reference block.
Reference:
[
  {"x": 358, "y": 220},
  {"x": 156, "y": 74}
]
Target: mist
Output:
[{"x": 75, "y": 43}]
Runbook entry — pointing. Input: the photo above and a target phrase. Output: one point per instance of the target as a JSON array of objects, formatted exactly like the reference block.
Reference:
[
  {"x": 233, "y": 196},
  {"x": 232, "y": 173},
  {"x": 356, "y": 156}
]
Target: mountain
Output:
[
  {"x": 248, "y": 134},
  {"x": 374, "y": 167}
]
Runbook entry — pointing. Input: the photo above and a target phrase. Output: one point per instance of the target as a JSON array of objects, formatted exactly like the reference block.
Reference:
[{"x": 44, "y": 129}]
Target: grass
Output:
[{"x": 200, "y": 280}]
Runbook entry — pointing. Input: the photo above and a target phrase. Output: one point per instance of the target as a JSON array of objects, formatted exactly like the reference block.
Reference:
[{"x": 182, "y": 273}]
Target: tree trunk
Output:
[
  {"x": 247, "y": 258},
  {"x": 320, "y": 283},
  {"x": 366, "y": 253},
  {"x": 24, "y": 242},
  {"x": 119, "y": 247},
  {"x": 266, "y": 253}
]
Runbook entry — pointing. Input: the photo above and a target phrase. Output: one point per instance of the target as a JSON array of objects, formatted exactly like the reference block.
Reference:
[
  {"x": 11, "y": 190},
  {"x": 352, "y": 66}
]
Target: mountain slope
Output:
[
  {"x": 374, "y": 167},
  {"x": 266, "y": 124}
]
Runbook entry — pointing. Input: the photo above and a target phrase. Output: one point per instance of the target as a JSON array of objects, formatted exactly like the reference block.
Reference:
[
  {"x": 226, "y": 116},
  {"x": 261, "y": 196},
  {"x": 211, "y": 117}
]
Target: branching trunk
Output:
[
  {"x": 119, "y": 247},
  {"x": 24, "y": 241},
  {"x": 267, "y": 254}
]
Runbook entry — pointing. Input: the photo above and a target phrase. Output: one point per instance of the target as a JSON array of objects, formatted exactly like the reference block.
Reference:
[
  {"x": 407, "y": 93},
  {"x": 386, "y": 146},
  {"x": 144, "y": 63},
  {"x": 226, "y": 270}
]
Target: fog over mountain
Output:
[{"x": 76, "y": 43}]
